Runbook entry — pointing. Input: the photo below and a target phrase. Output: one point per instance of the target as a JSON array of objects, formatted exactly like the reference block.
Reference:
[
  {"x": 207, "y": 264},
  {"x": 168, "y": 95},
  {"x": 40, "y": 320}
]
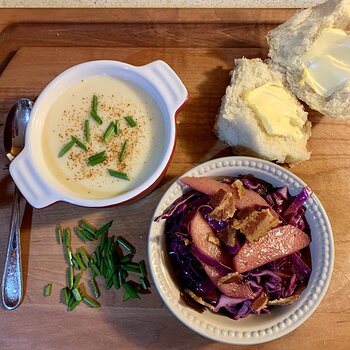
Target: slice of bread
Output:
[
  {"x": 292, "y": 39},
  {"x": 238, "y": 126}
]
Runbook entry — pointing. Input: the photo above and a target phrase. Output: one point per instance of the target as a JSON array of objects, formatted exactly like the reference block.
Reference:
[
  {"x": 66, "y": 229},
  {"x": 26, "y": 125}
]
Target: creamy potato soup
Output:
[{"x": 103, "y": 137}]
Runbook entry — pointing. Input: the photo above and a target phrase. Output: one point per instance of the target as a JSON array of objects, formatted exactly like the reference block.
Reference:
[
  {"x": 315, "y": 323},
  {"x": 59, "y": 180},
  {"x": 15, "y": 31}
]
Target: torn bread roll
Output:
[
  {"x": 312, "y": 50},
  {"x": 260, "y": 117}
]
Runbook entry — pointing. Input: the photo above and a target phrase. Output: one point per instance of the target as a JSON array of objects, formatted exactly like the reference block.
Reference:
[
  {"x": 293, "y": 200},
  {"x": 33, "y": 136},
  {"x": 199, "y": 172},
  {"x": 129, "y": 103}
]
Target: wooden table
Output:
[{"x": 36, "y": 45}]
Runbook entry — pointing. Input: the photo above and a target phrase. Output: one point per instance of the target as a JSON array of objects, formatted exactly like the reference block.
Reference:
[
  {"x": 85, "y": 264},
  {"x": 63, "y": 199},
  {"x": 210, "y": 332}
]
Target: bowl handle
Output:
[
  {"x": 30, "y": 182},
  {"x": 168, "y": 83}
]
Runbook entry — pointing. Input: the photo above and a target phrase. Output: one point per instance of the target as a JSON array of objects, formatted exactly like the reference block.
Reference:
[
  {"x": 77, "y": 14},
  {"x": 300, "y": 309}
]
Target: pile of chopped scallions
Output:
[
  {"x": 100, "y": 157},
  {"x": 107, "y": 261}
]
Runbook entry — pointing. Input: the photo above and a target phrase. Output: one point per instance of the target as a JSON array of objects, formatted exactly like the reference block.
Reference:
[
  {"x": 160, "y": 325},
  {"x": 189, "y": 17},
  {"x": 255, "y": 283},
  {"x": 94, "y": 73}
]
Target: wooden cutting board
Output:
[{"x": 200, "y": 45}]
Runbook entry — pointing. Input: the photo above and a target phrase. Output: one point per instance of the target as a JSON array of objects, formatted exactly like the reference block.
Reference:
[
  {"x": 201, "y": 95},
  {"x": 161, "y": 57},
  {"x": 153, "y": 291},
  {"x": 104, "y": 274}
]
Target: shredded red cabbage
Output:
[{"x": 277, "y": 279}]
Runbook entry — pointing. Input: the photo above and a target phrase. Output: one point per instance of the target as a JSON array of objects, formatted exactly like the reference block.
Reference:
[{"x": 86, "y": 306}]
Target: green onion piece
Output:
[
  {"x": 143, "y": 270},
  {"x": 103, "y": 242},
  {"x": 76, "y": 294},
  {"x": 67, "y": 237},
  {"x": 81, "y": 234},
  {"x": 102, "y": 230},
  {"x": 66, "y": 148},
  {"x": 95, "y": 269},
  {"x": 116, "y": 281},
  {"x": 87, "y": 130},
  {"x": 84, "y": 256},
  {"x": 70, "y": 276},
  {"x": 75, "y": 263},
  {"x": 98, "y": 257},
  {"x": 58, "y": 233},
  {"x": 94, "y": 103},
  {"x": 108, "y": 133},
  {"x": 79, "y": 143},
  {"x": 125, "y": 259},
  {"x": 47, "y": 290},
  {"x": 78, "y": 260},
  {"x": 133, "y": 267},
  {"x": 122, "y": 152},
  {"x": 143, "y": 283},
  {"x": 130, "y": 121},
  {"x": 74, "y": 304},
  {"x": 126, "y": 297},
  {"x": 109, "y": 244},
  {"x": 109, "y": 283},
  {"x": 66, "y": 296},
  {"x": 121, "y": 277},
  {"x": 86, "y": 226},
  {"x": 125, "y": 244},
  {"x": 97, "y": 158},
  {"x": 68, "y": 255},
  {"x": 130, "y": 290},
  {"x": 77, "y": 278},
  {"x": 116, "y": 127},
  {"x": 94, "y": 287},
  {"x": 118, "y": 174},
  {"x": 110, "y": 262},
  {"x": 96, "y": 117},
  {"x": 92, "y": 302}
]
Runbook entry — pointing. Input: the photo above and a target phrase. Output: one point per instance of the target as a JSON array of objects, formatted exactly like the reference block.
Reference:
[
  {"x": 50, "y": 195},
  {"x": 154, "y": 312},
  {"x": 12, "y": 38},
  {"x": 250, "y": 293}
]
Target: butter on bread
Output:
[
  {"x": 290, "y": 45},
  {"x": 238, "y": 124}
]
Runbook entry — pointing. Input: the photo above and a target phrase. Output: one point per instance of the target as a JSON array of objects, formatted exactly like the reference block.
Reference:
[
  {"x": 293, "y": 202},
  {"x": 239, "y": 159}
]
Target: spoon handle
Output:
[{"x": 11, "y": 288}]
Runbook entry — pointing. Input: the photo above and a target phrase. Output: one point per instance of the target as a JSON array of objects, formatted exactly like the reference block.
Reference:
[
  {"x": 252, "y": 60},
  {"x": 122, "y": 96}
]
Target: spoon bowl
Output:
[{"x": 14, "y": 136}]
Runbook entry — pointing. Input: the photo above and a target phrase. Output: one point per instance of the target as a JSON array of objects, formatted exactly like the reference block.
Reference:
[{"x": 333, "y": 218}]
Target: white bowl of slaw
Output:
[{"x": 254, "y": 329}]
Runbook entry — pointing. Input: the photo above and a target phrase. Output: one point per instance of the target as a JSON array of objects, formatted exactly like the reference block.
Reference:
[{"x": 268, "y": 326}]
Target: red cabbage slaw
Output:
[{"x": 278, "y": 279}]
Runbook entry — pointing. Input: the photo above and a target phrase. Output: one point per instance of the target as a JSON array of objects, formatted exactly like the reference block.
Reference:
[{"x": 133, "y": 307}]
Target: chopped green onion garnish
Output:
[
  {"x": 84, "y": 256},
  {"x": 66, "y": 296},
  {"x": 80, "y": 263},
  {"x": 74, "y": 304},
  {"x": 143, "y": 269},
  {"x": 79, "y": 143},
  {"x": 70, "y": 276},
  {"x": 87, "y": 130},
  {"x": 96, "y": 117},
  {"x": 68, "y": 255},
  {"x": 144, "y": 283},
  {"x": 118, "y": 174},
  {"x": 116, "y": 281},
  {"x": 116, "y": 127},
  {"x": 125, "y": 244},
  {"x": 129, "y": 289},
  {"x": 94, "y": 103},
  {"x": 76, "y": 294},
  {"x": 75, "y": 263},
  {"x": 66, "y": 237},
  {"x": 92, "y": 302},
  {"x": 122, "y": 152},
  {"x": 77, "y": 278},
  {"x": 47, "y": 290},
  {"x": 102, "y": 230},
  {"x": 81, "y": 233},
  {"x": 95, "y": 269},
  {"x": 66, "y": 148},
  {"x": 130, "y": 121},
  {"x": 58, "y": 233},
  {"x": 94, "y": 287},
  {"x": 133, "y": 267},
  {"x": 109, "y": 131},
  {"x": 125, "y": 259},
  {"x": 97, "y": 158},
  {"x": 85, "y": 225}
]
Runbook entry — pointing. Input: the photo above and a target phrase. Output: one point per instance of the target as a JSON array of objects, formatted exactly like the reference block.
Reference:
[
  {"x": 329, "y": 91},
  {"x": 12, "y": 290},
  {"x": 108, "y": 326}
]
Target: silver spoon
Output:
[{"x": 14, "y": 134}]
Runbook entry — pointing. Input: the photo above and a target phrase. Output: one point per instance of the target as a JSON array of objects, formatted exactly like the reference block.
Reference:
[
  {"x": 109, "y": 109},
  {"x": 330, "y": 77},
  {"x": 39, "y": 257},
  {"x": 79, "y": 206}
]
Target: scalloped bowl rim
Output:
[{"x": 253, "y": 329}]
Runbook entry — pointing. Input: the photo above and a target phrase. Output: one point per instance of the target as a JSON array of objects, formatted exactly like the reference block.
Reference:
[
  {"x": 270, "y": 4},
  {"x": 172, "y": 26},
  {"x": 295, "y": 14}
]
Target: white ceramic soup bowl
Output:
[
  {"x": 253, "y": 329},
  {"x": 31, "y": 172}
]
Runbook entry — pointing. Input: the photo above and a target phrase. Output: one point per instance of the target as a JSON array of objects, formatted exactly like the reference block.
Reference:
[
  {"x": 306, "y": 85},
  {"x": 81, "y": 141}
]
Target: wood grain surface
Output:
[{"x": 200, "y": 45}]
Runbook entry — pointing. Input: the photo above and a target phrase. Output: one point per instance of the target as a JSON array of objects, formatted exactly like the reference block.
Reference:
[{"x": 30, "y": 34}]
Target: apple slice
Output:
[{"x": 277, "y": 243}]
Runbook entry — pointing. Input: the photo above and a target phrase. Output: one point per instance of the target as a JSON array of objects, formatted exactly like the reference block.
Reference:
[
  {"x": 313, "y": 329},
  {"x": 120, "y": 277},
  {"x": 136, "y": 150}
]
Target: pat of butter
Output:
[
  {"x": 327, "y": 62},
  {"x": 277, "y": 110}
]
